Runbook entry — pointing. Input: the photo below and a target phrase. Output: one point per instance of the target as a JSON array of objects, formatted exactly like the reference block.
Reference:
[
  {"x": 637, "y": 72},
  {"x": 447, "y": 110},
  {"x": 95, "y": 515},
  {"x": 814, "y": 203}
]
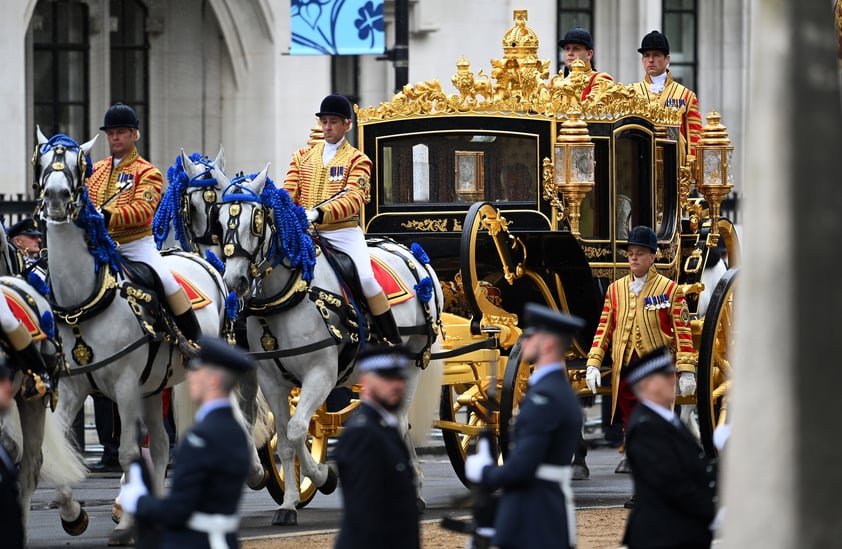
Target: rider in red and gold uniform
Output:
[
  {"x": 578, "y": 44},
  {"x": 127, "y": 189},
  {"x": 330, "y": 179}
]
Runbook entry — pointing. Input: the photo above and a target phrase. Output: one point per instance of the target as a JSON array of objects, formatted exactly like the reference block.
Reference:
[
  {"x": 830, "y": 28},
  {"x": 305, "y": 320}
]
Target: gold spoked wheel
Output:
[
  {"x": 715, "y": 368},
  {"x": 316, "y": 443}
]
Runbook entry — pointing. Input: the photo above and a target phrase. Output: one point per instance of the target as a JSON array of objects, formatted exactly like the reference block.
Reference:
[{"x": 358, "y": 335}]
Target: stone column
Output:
[
  {"x": 15, "y": 177},
  {"x": 783, "y": 470}
]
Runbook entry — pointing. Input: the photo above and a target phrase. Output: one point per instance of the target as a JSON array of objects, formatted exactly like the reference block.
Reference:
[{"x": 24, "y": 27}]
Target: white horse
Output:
[
  {"x": 296, "y": 322},
  {"x": 111, "y": 342}
]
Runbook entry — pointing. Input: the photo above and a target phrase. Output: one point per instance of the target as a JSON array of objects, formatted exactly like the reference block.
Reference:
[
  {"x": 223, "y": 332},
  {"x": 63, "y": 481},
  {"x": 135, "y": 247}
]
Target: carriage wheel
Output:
[
  {"x": 475, "y": 417},
  {"x": 515, "y": 379},
  {"x": 317, "y": 445},
  {"x": 714, "y": 371}
]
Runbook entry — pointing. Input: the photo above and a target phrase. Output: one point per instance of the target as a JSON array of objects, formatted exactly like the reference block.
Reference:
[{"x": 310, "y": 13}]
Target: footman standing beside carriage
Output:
[
  {"x": 331, "y": 180},
  {"x": 212, "y": 462},
  {"x": 378, "y": 478},
  {"x": 536, "y": 508}
]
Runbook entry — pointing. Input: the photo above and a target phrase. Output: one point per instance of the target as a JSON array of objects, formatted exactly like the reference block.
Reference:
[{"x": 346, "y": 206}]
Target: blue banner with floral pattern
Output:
[{"x": 337, "y": 27}]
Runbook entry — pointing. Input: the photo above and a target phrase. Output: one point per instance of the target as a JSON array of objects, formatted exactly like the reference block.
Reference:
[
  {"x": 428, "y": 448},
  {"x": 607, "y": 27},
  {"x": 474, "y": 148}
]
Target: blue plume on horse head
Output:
[
  {"x": 293, "y": 239},
  {"x": 170, "y": 204},
  {"x": 61, "y": 140}
]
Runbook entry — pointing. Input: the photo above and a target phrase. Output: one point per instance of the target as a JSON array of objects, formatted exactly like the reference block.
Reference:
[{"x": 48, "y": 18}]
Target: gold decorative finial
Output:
[{"x": 316, "y": 134}]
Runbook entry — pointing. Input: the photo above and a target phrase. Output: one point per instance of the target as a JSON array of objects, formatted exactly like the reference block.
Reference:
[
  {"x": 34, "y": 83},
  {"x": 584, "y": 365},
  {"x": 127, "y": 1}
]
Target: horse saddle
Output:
[{"x": 346, "y": 270}]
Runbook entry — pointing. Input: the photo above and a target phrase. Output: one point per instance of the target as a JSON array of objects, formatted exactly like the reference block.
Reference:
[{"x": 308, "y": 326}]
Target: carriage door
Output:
[{"x": 633, "y": 176}]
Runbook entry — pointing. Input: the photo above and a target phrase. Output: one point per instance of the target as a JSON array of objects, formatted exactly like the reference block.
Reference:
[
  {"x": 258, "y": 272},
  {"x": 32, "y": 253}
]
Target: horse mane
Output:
[
  {"x": 291, "y": 238},
  {"x": 170, "y": 205}
]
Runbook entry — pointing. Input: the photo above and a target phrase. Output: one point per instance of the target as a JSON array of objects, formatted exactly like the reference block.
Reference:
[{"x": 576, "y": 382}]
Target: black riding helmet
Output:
[{"x": 120, "y": 115}]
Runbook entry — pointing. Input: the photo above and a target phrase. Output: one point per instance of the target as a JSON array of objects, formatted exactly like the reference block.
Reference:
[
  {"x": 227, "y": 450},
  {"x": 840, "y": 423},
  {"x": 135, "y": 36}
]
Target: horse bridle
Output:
[
  {"x": 206, "y": 184},
  {"x": 59, "y": 144},
  {"x": 260, "y": 226}
]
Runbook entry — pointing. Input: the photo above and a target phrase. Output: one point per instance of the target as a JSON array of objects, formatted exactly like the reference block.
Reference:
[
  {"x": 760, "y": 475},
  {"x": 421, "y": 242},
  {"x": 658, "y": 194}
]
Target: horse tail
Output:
[
  {"x": 183, "y": 409},
  {"x": 425, "y": 399},
  {"x": 64, "y": 464}
]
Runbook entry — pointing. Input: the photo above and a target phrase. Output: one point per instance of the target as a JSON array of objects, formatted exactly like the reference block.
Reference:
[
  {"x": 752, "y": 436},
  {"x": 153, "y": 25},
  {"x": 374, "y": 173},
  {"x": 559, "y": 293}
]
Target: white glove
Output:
[
  {"x": 721, "y": 435},
  {"x": 133, "y": 490},
  {"x": 479, "y": 461},
  {"x": 687, "y": 384},
  {"x": 312, "y": 215},
  {"x": 593, "y": 378}
]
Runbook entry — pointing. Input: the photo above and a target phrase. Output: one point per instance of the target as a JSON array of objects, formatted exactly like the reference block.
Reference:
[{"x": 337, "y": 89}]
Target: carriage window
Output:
[{"x": 458, "y": 167}]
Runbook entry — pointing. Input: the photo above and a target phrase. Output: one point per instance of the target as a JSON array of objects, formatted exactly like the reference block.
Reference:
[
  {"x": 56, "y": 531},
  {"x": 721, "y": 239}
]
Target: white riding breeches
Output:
[
  {"x": 144, "y": 250},
  {"x": 351, "y": 240},
  {"x": 8, "y": 320}
]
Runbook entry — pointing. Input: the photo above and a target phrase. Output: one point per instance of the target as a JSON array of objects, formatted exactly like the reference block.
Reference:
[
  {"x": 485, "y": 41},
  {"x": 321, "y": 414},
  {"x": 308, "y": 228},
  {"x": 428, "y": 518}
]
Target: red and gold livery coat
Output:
[
  {"x": 683, "y": 99},
  {"x": 657, "y": 316},
  {"x": 133, "y": 209},
  {"x": 309, "y": 182}
]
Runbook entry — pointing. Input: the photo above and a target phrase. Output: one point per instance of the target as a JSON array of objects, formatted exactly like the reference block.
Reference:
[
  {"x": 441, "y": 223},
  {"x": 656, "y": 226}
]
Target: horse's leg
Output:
[
  {"x": 316, "y": 384},
  {"x": 32, "y": 417},
  {"x": 129, "y": 406},
  {"x": 404, "y": 429},
  {"x": 247, "y": 397},
  {"x": 74, "y": 391},
  {"x": 278, "y": 397},
  {"x": 159, "y": 440}
]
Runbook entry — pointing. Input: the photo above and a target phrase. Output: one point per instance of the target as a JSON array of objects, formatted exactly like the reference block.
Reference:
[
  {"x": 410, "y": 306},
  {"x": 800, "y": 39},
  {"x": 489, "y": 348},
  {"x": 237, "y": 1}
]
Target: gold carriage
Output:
[{"x": 518, "y": 191}]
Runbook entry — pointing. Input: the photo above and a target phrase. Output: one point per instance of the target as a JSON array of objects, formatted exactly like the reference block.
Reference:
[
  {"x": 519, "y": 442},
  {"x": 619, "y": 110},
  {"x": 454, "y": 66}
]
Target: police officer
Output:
[
  {"x": 674, "y": 482},
  {"x": 27, "y": 239},
  {"x": 536, "y": 507},
  {"x": 11, "y": 514},
  {"x": 127, "y": 189},
  {"x": 331, "y": 180},
  {"x": 377, "y": 476},
  {"x": 212, "y": 461}
]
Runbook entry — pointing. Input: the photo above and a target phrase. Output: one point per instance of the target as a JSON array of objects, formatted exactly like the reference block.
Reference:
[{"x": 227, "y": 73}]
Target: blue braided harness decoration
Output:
[
  {"x": 291, "y": 242},
  {"x": 170, "y": 206}
]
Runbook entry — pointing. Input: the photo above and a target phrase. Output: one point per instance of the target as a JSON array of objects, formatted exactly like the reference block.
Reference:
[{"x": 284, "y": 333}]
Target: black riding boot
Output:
[
  {"x": 36, "y": 380},
  {"x": 387, "y": 327}
]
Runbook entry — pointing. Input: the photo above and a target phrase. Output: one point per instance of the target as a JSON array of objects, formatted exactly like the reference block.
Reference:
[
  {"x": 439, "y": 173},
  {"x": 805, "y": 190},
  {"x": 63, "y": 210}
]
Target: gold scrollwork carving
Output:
[
  {"x": 330, "y": 299},
  {"x": 435, "y": 225},
  {"x": 592, "y": 252}
]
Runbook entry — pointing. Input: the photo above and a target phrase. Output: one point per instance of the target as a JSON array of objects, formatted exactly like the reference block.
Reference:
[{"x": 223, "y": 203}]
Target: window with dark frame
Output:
[
  {"x": 680, "y": 19},
  {"x": 573, "y": 13},
  {"x": 345, "y": 79},
  {"x": 60, "y": 68},
  {"x": 130, "y": 62}
]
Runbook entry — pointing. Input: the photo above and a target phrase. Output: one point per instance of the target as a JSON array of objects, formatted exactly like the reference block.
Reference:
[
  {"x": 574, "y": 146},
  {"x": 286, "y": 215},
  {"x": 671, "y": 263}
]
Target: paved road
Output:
[{"x": 441, "y": 488}]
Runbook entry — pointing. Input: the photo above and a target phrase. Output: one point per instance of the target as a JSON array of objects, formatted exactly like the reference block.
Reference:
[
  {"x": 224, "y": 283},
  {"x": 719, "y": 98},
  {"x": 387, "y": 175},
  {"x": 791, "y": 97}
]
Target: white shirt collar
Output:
[
  {"x": 657, "y": 83},
  {"x": 665, "y": 413},
  {"x": 389, "y": 418},
  {"x": 330, "y": 150},
  {"x": 210, "y": 406}
]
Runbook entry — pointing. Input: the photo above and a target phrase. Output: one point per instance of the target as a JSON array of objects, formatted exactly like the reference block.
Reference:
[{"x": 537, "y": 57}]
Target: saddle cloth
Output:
[{"x": 22, "y": 313}]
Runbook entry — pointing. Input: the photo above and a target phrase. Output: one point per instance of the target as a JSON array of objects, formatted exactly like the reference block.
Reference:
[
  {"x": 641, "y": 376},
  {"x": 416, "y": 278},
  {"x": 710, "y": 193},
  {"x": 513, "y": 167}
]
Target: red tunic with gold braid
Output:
[
  {"x": 657, "y": 316},
  {"x": 309, "y": 182},
  {"x": 133, "y": 209},
  {"x": 684, "y": 99}
]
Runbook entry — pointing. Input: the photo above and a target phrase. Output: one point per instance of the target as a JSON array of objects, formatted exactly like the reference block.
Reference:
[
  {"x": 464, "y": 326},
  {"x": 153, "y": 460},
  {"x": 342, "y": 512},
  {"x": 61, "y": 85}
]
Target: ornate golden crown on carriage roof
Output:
[{"x": 519, "y": 83}]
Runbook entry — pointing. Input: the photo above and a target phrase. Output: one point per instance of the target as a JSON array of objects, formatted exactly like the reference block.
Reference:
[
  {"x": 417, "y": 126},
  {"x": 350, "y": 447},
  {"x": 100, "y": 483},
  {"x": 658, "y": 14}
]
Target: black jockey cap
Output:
[
  {"x": 27, "y": 227},
  {"x": 336, "y": 105},
  {"x": 642, "y": 236},
  {"x": 120, "y": 115},
  {"x": 577, "y": 35},
  {"x": 654, "y": 41},
  {"x": 389, "y": 361},
  {"x": 216, "y": 352},
  {"x": 659, "y": 361},
  {"x": 539, "y": 318}
]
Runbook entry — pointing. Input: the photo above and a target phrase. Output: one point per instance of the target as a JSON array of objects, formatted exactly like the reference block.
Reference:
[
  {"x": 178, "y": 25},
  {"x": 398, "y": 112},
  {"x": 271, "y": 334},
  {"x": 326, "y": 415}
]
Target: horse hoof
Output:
[
  {"x": 116, "y": 513},
  {"x": 261, "y": 483},
  {"x": 76, "y": 527},
  {"x": 285, "y": 517},
  {"x": 420, "y": 504},
  {"x": 123, "y": 537},
  {"x": 330, "y": 482}
]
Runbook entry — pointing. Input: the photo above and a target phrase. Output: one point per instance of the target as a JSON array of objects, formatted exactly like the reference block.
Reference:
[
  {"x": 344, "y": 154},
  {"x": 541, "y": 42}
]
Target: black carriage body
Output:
[{"x": 421, "y": 193}]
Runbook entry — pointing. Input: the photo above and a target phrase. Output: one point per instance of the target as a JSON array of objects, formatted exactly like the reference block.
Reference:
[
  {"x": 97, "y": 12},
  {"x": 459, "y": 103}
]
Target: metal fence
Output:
[{"x": 14, "y": 208}]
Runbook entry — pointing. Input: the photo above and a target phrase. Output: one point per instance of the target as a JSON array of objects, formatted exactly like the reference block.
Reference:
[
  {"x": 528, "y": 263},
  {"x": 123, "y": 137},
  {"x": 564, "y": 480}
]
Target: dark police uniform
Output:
[
  {"x": 673, "y": 480},
  {"x": 378, "y": 481},
  {"x": 212, "y": 463},
  {"x": 535, "y": 509}
]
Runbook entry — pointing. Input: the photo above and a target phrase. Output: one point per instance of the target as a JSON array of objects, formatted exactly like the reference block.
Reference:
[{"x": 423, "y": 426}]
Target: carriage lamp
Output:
[
  {"x": 573, "y": 171},
  {"x": 714, "y": 177}
]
